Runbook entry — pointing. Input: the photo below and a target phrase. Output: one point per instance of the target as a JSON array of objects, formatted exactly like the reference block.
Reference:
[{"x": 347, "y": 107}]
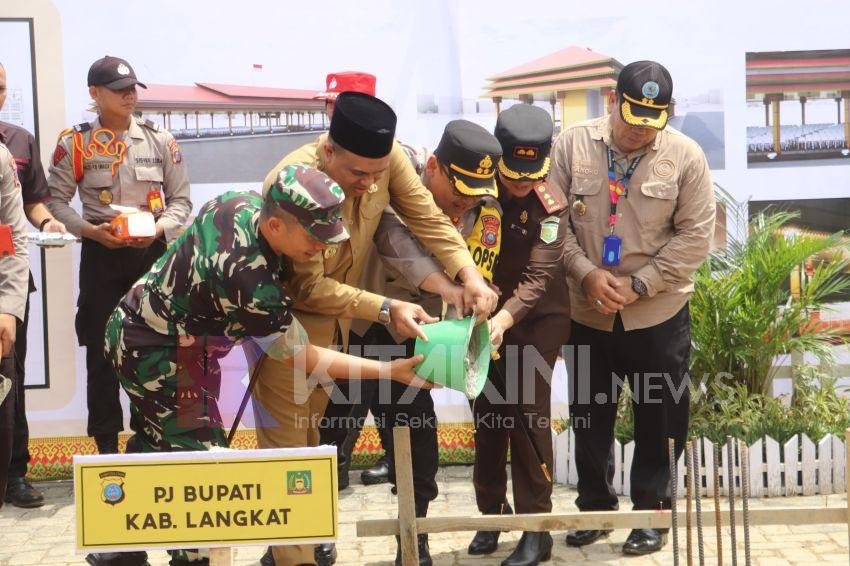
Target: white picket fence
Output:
[{"x": 800, "y": 467}]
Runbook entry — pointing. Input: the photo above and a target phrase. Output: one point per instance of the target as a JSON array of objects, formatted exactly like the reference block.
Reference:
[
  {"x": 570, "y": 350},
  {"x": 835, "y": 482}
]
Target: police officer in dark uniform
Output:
[
  {"x": 531, "y": 325},
  {"x": 118, "y": 159}
]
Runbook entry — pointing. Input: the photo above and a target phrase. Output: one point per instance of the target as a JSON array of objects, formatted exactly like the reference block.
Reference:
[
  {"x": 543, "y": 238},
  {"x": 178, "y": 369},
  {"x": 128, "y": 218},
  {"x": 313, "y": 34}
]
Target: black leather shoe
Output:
[
  {"x": 532, "y": 549},
  {"x": 106, "y": 443},
  {"x": 583, "y": 538},
  {"x": 486, "y": 542},
  {"x": 424, "y": 551},
  {"x": 342, "y": 480},
  {"x": 379, "y": 473},
  {"x": 21, "y": 493},
  {"x": 118, "y": 559},
  {"x": 325, "y": 554},
  {"x": 267, "y": 558},
  {"x": 644, "y": 541}
]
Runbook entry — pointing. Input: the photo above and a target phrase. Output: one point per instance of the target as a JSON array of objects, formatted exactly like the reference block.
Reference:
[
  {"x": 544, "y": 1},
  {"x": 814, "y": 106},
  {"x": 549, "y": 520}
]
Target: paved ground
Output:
[{"x": 46, "y": 535}]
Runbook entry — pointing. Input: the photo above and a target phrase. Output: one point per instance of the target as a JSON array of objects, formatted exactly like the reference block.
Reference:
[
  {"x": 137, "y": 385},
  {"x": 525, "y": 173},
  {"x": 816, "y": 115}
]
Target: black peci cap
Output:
[
  {"x": 363, "y": 125},
  {"x": 470, "y": 153},
  {"x": 644, "y": 92},
  {"x": 112, "y": 72},
  {"x": 525, "y": 132}
]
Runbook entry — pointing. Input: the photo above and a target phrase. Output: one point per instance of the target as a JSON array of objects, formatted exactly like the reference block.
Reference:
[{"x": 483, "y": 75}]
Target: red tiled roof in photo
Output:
[
  {"x": 573, "y": 68},
  {"x": 217, "y": 97},
  {"x": 815, "y": 74}
]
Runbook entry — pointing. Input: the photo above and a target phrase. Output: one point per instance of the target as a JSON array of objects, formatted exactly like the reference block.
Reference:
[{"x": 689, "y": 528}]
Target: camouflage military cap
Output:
[{"x": 313, "y": 198}]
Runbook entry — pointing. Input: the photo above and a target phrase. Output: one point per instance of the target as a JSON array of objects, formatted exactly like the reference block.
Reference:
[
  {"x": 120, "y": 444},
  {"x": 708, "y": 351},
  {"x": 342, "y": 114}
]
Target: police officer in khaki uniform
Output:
[
  {"x": 14, "y": 279},
  {"x": 642, "y": 210},
  {"x": 118, "y": 159},
  {"x": 360, "y": 154},
  {"x": 530, "y": 325}
]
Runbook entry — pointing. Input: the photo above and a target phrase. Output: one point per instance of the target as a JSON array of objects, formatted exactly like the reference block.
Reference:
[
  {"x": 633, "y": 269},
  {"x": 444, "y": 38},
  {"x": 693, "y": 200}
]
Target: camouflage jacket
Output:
[{"x": 219, "y": 280}]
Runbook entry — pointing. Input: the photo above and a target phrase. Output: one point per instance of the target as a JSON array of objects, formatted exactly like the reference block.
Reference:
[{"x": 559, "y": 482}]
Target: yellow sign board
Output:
[{"x": 206, "y": 499}]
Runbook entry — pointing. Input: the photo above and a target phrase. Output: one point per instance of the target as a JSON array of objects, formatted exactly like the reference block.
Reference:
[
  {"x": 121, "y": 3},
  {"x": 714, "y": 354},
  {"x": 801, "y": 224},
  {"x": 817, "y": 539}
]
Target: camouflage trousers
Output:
[{"x": 173, "y": 393}]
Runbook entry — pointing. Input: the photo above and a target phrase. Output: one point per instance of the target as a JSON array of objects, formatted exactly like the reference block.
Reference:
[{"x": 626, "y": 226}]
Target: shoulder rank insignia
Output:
[
  {"x": 149, "y": 124},
  {"x": 552, "y": 199},
  {"x": 84, "y": 127}
]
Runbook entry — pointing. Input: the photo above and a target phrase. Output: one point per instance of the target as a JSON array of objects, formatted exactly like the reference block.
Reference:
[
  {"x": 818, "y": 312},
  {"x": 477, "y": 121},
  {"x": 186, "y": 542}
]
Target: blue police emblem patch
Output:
[
  {"x": 113, "y": 487},
  {"x": 650, "y": 89}
]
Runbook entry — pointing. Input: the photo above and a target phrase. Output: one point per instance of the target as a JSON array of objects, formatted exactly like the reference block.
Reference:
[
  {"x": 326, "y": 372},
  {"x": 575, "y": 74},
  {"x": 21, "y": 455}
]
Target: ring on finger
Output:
[{"x": 598, "y": 303}]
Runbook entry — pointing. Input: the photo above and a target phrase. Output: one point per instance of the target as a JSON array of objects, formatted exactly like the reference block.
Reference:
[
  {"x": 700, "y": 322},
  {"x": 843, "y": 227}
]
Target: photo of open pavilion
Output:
[{"x": 806, "y": 99}]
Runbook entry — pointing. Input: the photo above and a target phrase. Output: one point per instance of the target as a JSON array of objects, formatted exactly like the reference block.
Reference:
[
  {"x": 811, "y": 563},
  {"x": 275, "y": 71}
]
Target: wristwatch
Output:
[
  {"x": 384, "y": 313},
  {"x": 638, "y": 286}
]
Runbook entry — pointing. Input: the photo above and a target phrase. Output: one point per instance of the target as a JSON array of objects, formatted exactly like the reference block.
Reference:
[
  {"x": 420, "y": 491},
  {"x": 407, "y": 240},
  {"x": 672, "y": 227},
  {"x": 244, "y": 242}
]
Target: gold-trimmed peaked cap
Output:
[
  {"x": 644, "y": 92},
  {"x": 525, "y": 132},
  {"x": 470, "y": 154}
]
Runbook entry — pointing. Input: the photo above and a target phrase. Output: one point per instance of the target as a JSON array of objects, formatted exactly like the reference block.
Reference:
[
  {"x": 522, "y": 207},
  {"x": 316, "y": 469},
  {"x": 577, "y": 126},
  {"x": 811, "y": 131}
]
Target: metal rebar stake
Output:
[
  {"x": 730, "y": 465},
  {"x": 697, "y": 483},
  {"x": 674, "y": 492},
  {"x": 689, "y": 486},
  {"x": 745, "y": 498},
  {"x": 717, "y": 505}
]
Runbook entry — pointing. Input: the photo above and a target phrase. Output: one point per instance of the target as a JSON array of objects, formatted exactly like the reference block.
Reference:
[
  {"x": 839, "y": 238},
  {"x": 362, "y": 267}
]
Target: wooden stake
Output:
[
  {"x": 689, "y": 485},
  {"x": 717, "y": 504},
  {"x": 674, "y": 493},
  {"x": 221, "y": 556},
  {"x": 406, "y": 505},
  {"x": 745, "y": 498},
  {"x": 847, "y": 478},
  {"x": 697, "y": 483},
  {"x": 730, "y": 465}
]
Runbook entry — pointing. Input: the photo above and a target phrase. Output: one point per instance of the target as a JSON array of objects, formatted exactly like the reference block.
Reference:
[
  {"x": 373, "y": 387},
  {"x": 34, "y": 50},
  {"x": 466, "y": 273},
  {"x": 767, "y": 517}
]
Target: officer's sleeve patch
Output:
[
  {"x": 58, "y": 154},
  {"x": 174, "y": 149},
  {"x": 549, "y": 229}
]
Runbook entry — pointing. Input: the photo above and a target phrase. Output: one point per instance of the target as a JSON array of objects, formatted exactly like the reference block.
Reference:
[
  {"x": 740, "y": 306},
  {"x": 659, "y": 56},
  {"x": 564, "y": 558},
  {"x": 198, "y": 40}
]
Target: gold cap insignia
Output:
[{"x": 485, "y": 165}]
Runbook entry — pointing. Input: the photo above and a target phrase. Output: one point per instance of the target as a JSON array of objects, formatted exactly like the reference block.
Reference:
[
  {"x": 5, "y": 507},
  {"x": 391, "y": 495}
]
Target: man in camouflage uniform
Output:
[{"x": 220, "y": 284}]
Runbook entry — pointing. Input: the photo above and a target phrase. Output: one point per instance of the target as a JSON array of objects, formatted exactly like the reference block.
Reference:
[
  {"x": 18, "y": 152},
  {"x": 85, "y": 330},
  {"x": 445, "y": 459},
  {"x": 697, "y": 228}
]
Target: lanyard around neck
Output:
[{"x": 617, "y": 188}]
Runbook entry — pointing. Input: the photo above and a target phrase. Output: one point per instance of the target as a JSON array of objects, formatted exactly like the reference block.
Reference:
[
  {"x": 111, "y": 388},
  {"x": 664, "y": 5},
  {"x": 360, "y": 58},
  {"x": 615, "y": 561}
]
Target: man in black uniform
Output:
[{"x": 534, "y": 328}]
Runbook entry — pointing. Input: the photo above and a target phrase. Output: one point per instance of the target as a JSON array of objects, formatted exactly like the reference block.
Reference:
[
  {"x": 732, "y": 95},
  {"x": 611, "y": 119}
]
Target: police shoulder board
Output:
[
  {"x": 148, "y": 124},
  {"x": 551, "y": 198}
]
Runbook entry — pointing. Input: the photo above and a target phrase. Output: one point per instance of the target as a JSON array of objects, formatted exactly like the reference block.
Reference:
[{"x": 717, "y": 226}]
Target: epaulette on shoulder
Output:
[
  {"x": 149, "y": 125},
  {"x": 552, "y": 199},
  {"x": 85, "y": 126}
]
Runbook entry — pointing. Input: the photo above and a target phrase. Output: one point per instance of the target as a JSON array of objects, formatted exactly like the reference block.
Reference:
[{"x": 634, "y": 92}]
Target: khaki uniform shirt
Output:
[
  {"x": 152, "y": 160},
  {"x": 14, "y": 269},
  {"x": 325, "y": 287},
  {"x": 666, "y": 220}
]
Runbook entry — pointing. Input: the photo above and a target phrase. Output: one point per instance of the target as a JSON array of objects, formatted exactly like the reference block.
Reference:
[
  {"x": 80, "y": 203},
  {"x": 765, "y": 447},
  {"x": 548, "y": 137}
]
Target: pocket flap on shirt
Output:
[
  {"x": 660, "y": 189},
  {"x": 585, "y": 186},
  {"x": 147, "y": 173}
]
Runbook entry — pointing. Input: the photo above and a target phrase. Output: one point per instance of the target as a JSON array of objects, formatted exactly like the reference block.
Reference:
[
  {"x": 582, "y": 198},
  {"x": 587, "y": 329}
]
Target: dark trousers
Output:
[
  {"x": 397, "y": 405},
  {"x": 343, "y": 419},
  {"x": 655, "y": 361},
  {"x": 7, "y": 422},
  {"x": 517, "y": 388},
  {"x": 21, "y": 432},
  {"x": 105, "y": 277}
]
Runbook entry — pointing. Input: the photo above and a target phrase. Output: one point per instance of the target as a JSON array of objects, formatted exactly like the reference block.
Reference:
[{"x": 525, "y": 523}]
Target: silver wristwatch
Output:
[
  {"x": 638, "y": 286},
  {"x": 384, "y": 313}
]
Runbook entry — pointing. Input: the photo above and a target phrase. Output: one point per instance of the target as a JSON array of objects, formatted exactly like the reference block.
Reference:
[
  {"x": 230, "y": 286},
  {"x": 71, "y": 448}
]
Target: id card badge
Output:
[{"x": 612, "y": 245}]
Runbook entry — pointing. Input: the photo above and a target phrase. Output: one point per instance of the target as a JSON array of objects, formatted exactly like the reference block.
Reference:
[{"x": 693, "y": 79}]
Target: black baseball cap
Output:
[
  {"x": 363, "y": 124},
  {"x": 470, "y": 154},
  {"x": 525, "y": 132},
  {"x": 112, "y": 72},
  {"x": 644, "y": 92}
]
